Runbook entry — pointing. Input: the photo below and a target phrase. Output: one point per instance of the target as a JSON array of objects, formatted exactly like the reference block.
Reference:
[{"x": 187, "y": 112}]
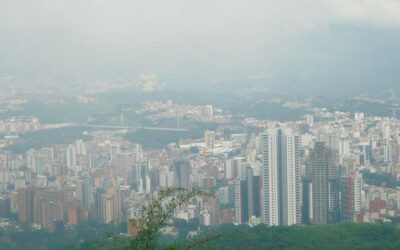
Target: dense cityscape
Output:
[
  {"x": 325, "y": 168},
  {"x": 212, "y": 124}
]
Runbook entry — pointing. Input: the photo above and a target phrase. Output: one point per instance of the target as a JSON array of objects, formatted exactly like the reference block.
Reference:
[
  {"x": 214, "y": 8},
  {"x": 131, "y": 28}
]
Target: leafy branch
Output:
[{"x": 161, "y": 209}]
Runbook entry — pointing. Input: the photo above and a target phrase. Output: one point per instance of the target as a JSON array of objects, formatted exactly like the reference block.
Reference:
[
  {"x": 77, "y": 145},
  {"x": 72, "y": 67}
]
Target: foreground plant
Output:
[{"x": 161, "y": 209}]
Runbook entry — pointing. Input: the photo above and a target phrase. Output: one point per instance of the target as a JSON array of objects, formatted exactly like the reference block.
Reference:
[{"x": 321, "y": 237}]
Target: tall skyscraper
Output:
[
  {"x": 49, "y": 207},
  {"x": 98, "y": 198},
  {"x": 229, "y": 171},
  {"x": 351, "y": 195},
  {"x": 319, "y": 178},
  {"x": 238, "y": 201},
  {"x": 253, "y": 193},
  {"x": 111, "y": 205},
  {"x": 140, "y": 177},
  {"x": 71, "y": 156},
  {"x": 80, "y": 147},
  {"x": 247, "y": 197},
  {"x": 25, "y": 197},
  {"x": 280, "y": 178},
  {"x": 182, "y": 170},
  {"x": 307, "y": 208},
  {"x": 84, "y": 192}
]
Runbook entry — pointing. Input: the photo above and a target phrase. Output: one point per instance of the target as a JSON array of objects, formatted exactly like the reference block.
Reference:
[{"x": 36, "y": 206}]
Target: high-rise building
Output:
[
  {"x": 25, "y": 199},
  {"x": 307, "y": 207},
  {"x": 5, "y": 206},
  {"x": 84, "y": 192},
  {"x": 238, "y": 201},
  {"x": 80, "y": 147},
  {"x": 205, "y": 217},
  {"x": 182, "y": 171},
  {"x": 253, "y": 193},
  {"x": 73, "y": 213},
  {"x": 357, "y": 191},
  {"x": 98, "y": 201},
  {"x": 239, "y": 169},
  {"x": 140, "y": 177},
  {"x": 112, "y": 205},
  {"x": 319, "y": 178},
  {"x": 41, "y": 206},
  {"x": 351, "y": 195},
  {"x": 49, "y": 209},
  {"x": 247, "y": 197},
  {"x": 223, "y": 195},
  {"x": 332, "y": 145},
  {"x": 229, "y": 169},
  {"x": 365, "y": 153},
  {"x": 166, "y": 178},
  {"x": 71, "y": 156},
  {"x": 280, "y": 178}
]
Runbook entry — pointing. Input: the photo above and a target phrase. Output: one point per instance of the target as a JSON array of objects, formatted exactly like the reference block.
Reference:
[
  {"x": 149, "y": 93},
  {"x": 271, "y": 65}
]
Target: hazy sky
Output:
[{"x": 203, "y": 40}]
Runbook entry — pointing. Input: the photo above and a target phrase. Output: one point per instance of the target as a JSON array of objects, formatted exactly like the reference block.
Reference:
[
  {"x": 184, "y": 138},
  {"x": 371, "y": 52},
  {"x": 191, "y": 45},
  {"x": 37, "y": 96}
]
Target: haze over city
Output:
[
  {"x": 284, "y": 46},
  {"x": 213, "y": 124}
]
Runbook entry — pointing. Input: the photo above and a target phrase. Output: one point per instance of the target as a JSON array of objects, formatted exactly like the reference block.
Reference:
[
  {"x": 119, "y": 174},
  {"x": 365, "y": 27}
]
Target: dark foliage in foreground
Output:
[{"x": 333, "y": 236}]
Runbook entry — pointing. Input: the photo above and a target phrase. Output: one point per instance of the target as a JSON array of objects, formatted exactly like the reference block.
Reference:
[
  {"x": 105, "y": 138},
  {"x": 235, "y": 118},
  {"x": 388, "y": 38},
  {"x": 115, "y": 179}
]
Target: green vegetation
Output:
[
  {"x": 369, "y": 108},
  {"x": 71, "y": 111},
  {"x": 333, "y": 236},
  {"x": 269, "y": 111},
  {"x": 83, "y": 236},
  {"x": 380, "y": 179},
  {"x": 109, "y": 104},
  {"x": 91, "y": 235},
  {"x": 159, "y": 138},
  {"x": 161, "y": 209},
  {"x": 45, "y": 138}
]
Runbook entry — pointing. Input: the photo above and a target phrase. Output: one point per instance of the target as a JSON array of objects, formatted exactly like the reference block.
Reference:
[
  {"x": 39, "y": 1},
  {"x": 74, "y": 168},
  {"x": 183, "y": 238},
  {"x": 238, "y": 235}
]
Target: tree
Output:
[{"x": 160, "y": 210}]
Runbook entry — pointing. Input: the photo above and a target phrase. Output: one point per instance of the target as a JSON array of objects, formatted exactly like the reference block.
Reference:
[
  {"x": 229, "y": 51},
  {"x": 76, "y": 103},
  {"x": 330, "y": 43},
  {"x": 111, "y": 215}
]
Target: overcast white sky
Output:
[{"x": 85, "y": 38}]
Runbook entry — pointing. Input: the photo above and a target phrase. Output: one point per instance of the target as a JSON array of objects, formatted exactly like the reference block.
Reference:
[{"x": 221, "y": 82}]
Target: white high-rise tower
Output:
[{"x": 280, "y": 178}]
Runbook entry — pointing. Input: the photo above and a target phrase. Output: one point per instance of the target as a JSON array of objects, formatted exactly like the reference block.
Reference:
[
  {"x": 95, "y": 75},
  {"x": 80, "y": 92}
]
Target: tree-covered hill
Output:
[
  {"x": 45, "y": 138},
  {"x": 333, "y": 236}
]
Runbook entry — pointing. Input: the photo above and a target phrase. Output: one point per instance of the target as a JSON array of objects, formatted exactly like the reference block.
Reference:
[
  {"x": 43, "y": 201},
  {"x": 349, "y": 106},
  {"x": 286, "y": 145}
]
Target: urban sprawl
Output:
[{"x": 322, "y": 169}]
